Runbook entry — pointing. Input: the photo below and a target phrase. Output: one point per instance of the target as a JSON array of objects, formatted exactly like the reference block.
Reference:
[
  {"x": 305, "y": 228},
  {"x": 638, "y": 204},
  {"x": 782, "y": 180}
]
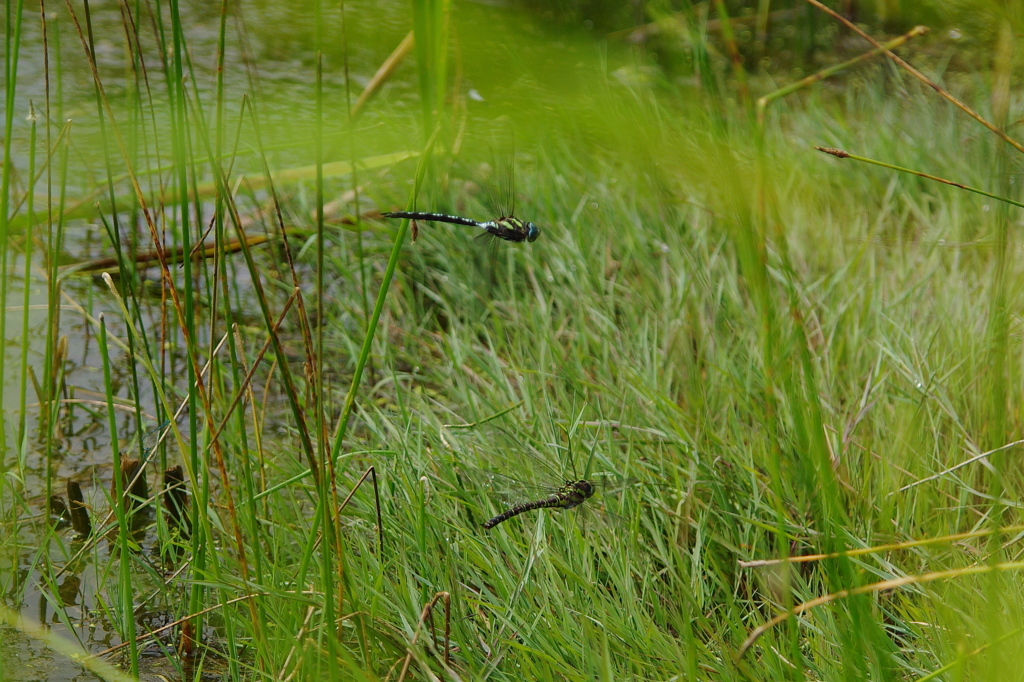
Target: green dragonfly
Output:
[{"x": 571, "y": 494}]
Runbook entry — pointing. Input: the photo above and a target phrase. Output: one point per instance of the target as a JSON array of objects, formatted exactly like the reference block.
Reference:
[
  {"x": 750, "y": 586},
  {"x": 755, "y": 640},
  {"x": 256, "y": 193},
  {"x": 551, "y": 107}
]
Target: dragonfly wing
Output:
[
  {"x": 488, "y": 242},
  {"x": 510, "y": 488},
  {"x": 507, "y": 186},
  {"x": 502, "y": 189},
  {"x": 153, "y": 437}
]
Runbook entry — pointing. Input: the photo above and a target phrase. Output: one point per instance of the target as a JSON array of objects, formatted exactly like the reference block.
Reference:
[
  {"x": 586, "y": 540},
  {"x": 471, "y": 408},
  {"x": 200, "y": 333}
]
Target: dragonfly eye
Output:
[{"x": 532, "y": 232}]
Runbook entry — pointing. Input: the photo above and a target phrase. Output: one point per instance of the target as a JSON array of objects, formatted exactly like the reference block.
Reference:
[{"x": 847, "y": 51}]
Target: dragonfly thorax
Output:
[
  {"x": 575, "y": 493},
  {"x": 522, "y": 228}
]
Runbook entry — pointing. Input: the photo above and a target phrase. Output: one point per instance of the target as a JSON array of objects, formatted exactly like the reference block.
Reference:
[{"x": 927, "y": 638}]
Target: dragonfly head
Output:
[
  {"x": 532, "y": 232},
  {"x": 585, "y": 488}
]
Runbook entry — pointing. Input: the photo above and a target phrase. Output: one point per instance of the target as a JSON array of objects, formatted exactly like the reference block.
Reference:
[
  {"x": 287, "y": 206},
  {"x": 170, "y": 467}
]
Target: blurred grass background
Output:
[{"x": 785, "y": 353}]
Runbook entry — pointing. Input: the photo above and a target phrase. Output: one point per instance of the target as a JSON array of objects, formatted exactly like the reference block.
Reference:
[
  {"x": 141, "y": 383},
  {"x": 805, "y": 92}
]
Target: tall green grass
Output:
[{"x": 783, "y": 354}]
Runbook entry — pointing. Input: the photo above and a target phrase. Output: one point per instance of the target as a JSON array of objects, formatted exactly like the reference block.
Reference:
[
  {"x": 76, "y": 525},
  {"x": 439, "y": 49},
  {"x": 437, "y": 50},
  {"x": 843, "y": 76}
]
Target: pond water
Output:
[{"x": 509, "y": 62}]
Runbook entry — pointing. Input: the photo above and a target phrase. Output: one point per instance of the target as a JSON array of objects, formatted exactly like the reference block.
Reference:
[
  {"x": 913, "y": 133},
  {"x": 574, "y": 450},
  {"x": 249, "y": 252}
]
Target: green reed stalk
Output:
[
  {"x": 135, "y": 72},
  {"x": 58, "y": 63},
  {"x": 430, "y": 25},
  {"x": 389, "y": 273},
  {"x": 220, "y": 175},
  {"x": 12, "y": 47},
  {"x": 998, "y": 332},
  {"x": 739, "y": 73},
  {"x": 121, "y": 505},
  {"x": 761, "y": 26},
  {"x": 360, "y": 255},
  {"x": 113, "y": 230},
  {"x": 55, "y": 242},
  {"x": 752, "y": 246},
  {"x": 27, "y": 282},
  {"x": 218, "y": 284},
  {"x": 126, "y": 263},
  {"x": 133, "y": 132},
  {"x": 50, "y": 262},
  {"x": 327, "y": 482},
  {"x": 696, "y": 34},
  {"x": 351, "y": 138},
  {"x": 179, "y": 135},
  {"x": 237, "y": 367},
  {"x": 214, "y": 382},
  {"x": 995, "y": 385},
  {"x": 318, "y": 152}
]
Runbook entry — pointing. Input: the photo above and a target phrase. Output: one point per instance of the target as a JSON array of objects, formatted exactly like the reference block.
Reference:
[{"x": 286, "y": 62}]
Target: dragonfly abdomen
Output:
[
  {"x": 553, "y": 501},
  {"x": 433, "y": 217}
]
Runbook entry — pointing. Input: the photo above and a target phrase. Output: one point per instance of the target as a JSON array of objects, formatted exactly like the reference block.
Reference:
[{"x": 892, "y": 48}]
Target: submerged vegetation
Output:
[{"x": 246, "y": 410}]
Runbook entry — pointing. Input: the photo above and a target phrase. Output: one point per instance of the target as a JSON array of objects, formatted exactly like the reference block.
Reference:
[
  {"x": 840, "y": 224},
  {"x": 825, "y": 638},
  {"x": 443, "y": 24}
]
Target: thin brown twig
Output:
[
  {"x": 918, "y": 75},
  {"x": 183, "y": 619},
  {"x": 478, "y": 422},
  {"x": 862, "y": 551},
  {"x": 427, "y": 610},
  {"x": 257, "y": 429},
  {"x": 964, "y": 463},
  {"x": 880, "y": 586},
  {"x": 843, "y": 154},
  {"x": 252, "y": 370},
  {"x": 764, "y": 101},
  {"x": 734, "y": 54},
  {"x": 385, "y": 70},
  {"x": 372, "y": 472},
  {"x": 145, "y": 259},
  {"x": 52, "y": 147},
  {"x": 299, "y": 636}
]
